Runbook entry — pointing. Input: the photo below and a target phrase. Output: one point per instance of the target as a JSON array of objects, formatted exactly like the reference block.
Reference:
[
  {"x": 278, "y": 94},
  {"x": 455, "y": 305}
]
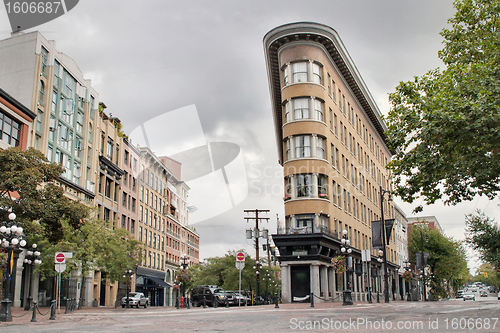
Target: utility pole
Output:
[{"x": 255, "y": 236}]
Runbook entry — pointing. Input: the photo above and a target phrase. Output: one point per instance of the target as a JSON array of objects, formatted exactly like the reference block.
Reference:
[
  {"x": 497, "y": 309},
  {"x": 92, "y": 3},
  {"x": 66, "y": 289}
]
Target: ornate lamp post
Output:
[
  {"x": 257, "y": 274},
  {"x": 128, "y": 276},
  {"x": 12, "y": 239},
  {"x": 384, "y": 245},
  {"x": 184, "y": 265},
  {"x": 346, "y": 248},
  {"x": 31, "y": 259}
]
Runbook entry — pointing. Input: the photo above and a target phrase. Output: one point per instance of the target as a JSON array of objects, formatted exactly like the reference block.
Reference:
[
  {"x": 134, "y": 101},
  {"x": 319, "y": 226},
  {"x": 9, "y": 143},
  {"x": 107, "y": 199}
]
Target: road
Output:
[{"x": 482, "y": 315}]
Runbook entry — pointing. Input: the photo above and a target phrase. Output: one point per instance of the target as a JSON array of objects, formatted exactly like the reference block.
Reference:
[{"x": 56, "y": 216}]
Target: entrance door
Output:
[{"x": 301, "y": 282}]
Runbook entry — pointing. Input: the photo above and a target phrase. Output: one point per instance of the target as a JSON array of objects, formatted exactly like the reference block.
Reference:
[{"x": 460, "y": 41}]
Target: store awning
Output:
[{"x": 160, "y": 282}]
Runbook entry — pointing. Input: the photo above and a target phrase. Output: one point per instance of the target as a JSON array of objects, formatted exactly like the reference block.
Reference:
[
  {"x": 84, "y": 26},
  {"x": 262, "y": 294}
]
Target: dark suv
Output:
[{"x": 212, "y": 294}]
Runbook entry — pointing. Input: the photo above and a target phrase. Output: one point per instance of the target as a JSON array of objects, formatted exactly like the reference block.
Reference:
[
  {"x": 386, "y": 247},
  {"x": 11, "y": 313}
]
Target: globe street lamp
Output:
[
  {"x": 31, "y": 259},
  {"x": 128, "y": 277},
  {"x": 12, "y": 239},
  {"x": 346, "y": 248},
  {"x": 384, "y": 245}
]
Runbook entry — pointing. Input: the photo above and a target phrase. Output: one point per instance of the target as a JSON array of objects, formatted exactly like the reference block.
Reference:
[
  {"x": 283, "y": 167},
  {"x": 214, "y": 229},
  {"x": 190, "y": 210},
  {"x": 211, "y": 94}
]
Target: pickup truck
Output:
[{"x": 135, "y": 299}]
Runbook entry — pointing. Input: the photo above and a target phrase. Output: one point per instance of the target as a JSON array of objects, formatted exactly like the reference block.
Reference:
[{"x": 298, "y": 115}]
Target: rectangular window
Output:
[
  {"x": 9, "y": 130},
  {"x": 317, "y": 77},
  {"x": 107, "y": 188},
  {"x": 302, "y": 146},
  {"x": 322, "y": 186},
  {"x": 320, "y": 147},
  {"x": 299, "y": 70},
  {"x": 304, "y": 185},
  {"x": 329, "y": 85},
  {"x": 109, "y": 150},
  {"x": 318, "y": 110},
  {"x": 45, "y": 58},
  {"x": 301, "y": 108}
]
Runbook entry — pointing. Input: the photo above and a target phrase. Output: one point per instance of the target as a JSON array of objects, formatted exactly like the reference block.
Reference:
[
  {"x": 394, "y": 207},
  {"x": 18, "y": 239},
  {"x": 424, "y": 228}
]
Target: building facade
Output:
[
  {"x": 129, "y": 186},
  {"x": 331, "y": 144}
]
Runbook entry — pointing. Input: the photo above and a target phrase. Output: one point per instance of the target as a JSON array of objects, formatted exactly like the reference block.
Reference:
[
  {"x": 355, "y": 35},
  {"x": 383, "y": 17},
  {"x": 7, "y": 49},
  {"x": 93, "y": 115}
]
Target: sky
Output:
[{"x": 203, "y": 62}]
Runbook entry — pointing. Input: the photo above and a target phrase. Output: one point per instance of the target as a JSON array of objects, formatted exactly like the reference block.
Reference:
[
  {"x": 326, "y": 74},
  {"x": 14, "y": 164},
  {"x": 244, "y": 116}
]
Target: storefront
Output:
[{"x": 152, "y": 284}]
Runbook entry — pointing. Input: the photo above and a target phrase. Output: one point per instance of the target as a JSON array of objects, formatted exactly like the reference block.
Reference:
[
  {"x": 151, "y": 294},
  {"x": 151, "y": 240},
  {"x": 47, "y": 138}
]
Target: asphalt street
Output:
[{"x": 482, "y": 315}]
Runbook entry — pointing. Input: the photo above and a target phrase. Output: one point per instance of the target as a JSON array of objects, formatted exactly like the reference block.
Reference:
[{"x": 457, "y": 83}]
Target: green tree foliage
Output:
[
  {"x": 488, "y": 274},
  {"x": 447, "y": 258},
  {"x": 222, "y": 271},
  {"x": 445, "y": 125},
  {"x": 28, "y": 185},
  {"x": 483, "y": 234}
]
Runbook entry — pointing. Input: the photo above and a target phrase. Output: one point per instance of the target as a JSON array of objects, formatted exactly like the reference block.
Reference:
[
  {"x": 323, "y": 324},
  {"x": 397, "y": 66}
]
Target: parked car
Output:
[
  {"x": 469, "y": 296},
  {"x": 135, "y": 299},
  {"x": 238, "y": 298},
  {"x": 498, "y": 296},
  {"x": 460, "y": 293},
  {"x": 212, "y": 295}
]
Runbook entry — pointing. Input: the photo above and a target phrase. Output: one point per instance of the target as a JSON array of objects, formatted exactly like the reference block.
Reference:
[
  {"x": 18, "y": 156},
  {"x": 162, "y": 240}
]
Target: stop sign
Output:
[
  {"x": 240, "y": 256},
  {"x": 60, "y": 258}
]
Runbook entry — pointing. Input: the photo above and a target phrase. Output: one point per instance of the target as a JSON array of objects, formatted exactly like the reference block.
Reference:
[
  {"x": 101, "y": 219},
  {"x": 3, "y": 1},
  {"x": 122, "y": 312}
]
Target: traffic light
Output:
[{"x": 486, "y": 274}]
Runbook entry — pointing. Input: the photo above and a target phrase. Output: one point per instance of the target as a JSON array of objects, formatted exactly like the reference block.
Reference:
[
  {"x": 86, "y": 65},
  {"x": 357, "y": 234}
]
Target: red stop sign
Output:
[
  {"x": 60, "y": 257},
  {"x": 240, "y": 256}
]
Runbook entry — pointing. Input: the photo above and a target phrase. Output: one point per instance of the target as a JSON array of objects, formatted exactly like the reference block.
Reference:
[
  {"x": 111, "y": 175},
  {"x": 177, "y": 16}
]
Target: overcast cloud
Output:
[{"x": 146, "y": 58}]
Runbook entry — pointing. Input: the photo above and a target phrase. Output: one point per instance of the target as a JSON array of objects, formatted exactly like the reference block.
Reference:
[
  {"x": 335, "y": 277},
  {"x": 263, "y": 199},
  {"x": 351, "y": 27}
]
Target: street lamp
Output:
[
  {"x": 346, "y": 248},
  {"x": 384, "y": 245},
  {"x": 128, "y": 276},
  {"x": 31, "y": 259},
  {"x": 257, "y": 273},
  {"x": 184, "y": 265},
  {"x": 12, "y": 239}
]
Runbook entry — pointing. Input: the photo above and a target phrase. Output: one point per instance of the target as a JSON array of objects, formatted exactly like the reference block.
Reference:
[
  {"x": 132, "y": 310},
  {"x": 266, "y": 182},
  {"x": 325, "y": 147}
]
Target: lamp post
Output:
[
  {"x": 257, "y": 274},
  {"x": 346, "y": 248},
  {"x": 184, "y": 277},
  {"x": 384, "y": 245},
  {"x": 31, "y": 259},
  {"x": 128, "y": 276},
  {"x": 12, "y": 239}
]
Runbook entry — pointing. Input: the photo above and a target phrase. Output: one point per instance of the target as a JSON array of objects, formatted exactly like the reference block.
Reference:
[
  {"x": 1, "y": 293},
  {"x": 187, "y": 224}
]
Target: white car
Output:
[
  {"x": 498, "y": 296},
  {"x": 469, "y": 296}
]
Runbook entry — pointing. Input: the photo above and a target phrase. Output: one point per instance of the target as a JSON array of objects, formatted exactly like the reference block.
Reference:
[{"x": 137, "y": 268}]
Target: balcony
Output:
[{"x": 308, "y": 243}]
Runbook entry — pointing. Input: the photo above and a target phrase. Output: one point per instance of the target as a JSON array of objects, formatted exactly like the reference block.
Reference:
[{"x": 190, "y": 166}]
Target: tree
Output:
[
  {"x": 447, "y": 258},
  {"x": 445, "y": 125},
  {"x": 483, "y": 234},
  {"x": 28, "y": 185},
  {"x": 222, "y": 271}
]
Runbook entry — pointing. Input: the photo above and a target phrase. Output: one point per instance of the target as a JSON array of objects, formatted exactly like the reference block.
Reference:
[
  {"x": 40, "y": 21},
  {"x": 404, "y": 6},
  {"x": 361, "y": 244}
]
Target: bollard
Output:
[
  {"x": 276, "y": 301},
  {"x": 312, "y": 300},
  {"x": 214, "y": 300},
  {"x": 227, "y": 303},
  {"x": 53, "y": 310},
  {"x": 378, "y": 297},
  {"x": 33, "y": 317},
  {"x": 204, "y": 302},
  {"x": 188, "y": 305},
  {"x": 67, "y": 306},
  {"x": 177, "y": 303}
]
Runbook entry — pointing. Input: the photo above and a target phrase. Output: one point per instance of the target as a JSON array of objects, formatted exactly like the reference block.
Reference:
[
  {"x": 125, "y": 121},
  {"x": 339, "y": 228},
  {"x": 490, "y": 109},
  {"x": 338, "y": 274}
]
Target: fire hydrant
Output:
[{"x": 182, "y": 302}]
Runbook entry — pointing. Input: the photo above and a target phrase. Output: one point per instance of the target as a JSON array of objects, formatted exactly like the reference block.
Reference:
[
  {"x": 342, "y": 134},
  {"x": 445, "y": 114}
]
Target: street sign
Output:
[
  {"x": 60, "y": 268},
  {"x": 240, "y": 256},
  {"x": 240, "y": 265},
  {"x": 60, "y": 258}
]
